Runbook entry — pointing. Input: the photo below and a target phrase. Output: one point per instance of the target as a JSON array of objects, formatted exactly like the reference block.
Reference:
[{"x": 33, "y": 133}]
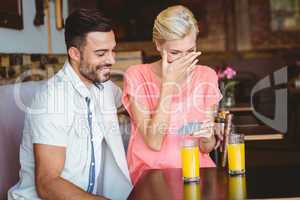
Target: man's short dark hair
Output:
[{"x": 83, "y": 21}]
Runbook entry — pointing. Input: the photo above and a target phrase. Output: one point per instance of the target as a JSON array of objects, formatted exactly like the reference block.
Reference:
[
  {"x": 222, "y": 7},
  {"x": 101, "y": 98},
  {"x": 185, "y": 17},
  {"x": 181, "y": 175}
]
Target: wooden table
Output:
[{"x": 215, "y": 184}]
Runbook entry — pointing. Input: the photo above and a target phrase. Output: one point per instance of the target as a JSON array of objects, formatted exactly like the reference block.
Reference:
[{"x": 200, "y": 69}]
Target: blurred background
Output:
[{"x": 255, "y": 38}]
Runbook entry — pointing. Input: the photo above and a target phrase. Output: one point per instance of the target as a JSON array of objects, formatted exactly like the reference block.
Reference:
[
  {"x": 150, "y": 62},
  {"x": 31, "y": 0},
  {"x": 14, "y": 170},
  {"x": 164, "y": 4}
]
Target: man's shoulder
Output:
[{"x": 54, "y": 88}]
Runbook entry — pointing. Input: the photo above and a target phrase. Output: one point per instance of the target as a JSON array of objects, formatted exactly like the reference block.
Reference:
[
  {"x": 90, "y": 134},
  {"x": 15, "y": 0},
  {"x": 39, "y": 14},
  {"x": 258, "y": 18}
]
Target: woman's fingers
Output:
[
  {"x": 164, "y": 61},
  {"x": 218, "y": 143},
  {"x": 189, "y": 59},
  {"x": 218, "y": 128},
  {"x": 186, "y": 71},
  {"x": 180, "y": 68},
  {"x": 218, "y": 131},
  {"x": 186, "y": 60},
  {"x": 192, "y": 66}
]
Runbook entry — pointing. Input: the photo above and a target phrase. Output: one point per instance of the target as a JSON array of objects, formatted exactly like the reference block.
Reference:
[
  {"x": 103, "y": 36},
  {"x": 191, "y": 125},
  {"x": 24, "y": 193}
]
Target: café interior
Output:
[{"x": 258, "y": 41}]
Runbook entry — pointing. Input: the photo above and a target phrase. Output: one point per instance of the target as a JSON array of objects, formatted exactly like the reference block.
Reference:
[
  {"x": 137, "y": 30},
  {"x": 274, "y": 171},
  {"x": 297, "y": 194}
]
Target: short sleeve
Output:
[
  {"x": 206, "y": 89},
  {"x": 47, "y": 125},
  {"x": 212, "y": 92},
  {"x": 136, "y": 86}
]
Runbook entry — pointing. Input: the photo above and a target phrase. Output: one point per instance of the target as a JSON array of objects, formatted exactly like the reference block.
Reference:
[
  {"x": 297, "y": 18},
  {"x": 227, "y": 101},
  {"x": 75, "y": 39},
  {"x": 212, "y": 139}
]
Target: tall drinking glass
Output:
[
  {"x": 192, "y": 191},
  {"x": 237, "y": 187},
  {"x": 190, "y": 160},
  {"x": 236, "y": 154}
]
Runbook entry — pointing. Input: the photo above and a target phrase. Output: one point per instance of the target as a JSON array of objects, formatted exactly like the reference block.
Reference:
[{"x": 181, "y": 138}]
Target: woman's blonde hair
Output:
[{"x": 174, "y": 23}]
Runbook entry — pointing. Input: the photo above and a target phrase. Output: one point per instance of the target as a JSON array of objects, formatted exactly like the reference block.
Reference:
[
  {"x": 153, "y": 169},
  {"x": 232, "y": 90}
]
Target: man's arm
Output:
[{"x": 49, "y": 163}]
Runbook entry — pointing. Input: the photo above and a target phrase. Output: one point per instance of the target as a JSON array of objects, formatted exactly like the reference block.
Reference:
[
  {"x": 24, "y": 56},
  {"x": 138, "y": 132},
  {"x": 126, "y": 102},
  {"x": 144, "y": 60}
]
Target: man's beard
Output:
[
  {"x": 106, "y": 77},
  {"x": 91, "y": 74}
]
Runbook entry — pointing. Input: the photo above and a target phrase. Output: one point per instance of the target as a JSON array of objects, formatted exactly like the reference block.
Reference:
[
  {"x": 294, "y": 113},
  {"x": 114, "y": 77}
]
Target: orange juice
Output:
[
  {"x": 190, "y": 163},
  {"x": 237, "y": 187},
  {"x": 236, "y": 158}
]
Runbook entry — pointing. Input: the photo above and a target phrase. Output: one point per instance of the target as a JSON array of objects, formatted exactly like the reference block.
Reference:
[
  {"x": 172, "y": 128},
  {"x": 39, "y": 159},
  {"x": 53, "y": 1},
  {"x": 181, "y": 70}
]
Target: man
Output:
[{"x": 72, "y": 147}]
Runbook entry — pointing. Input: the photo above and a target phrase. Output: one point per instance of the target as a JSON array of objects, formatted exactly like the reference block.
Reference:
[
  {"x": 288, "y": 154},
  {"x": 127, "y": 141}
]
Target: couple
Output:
[{"x": 72, "y": 147}]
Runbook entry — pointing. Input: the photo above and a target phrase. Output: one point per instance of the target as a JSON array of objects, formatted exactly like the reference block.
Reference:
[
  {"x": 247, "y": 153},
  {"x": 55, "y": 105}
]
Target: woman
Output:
[{"x": 165, "y": 99}]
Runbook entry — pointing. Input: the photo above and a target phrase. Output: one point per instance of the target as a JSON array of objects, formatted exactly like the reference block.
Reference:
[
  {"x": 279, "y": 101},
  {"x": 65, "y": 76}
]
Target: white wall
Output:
[{"x": 33, "y": 39}]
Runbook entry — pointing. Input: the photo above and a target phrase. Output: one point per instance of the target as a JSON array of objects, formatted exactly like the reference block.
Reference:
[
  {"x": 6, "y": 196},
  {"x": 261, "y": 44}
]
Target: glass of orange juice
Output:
[
  {"x": 190, "y": 160},
  {"x": 237, "y": 187},
  {"x": 192, "y": 191},
  {"x": 236, "y": 154}
]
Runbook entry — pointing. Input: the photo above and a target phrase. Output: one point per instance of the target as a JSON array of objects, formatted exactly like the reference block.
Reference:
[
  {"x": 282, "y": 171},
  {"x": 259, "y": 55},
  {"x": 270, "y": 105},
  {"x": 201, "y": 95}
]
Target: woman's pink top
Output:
[{"x": 189, "y": 102}]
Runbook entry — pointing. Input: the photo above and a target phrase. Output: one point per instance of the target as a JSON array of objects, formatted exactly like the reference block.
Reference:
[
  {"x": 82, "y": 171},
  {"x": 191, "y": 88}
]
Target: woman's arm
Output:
[
  {"x": 208, "y": 144},
  {"x": 153, "y": 125}
]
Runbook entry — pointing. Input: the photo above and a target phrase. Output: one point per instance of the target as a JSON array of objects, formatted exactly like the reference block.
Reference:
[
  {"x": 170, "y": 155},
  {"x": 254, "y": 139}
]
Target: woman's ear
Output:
[
  {"x": 74, "y": 54},
  {"x": 158, "y": 46}
]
